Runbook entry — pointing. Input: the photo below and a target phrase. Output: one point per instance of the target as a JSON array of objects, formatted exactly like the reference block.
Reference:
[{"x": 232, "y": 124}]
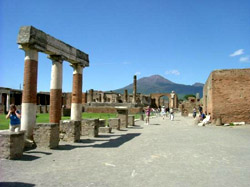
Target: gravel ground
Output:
[{"x": 164, "y": 153}]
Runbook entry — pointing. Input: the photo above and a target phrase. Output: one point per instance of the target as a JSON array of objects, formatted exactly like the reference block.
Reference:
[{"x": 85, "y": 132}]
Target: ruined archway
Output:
[{"x": 172, "y": 97}]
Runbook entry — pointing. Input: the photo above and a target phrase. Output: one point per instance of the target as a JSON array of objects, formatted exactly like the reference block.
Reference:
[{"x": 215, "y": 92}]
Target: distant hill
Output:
[{"x": 158, "y": 84}]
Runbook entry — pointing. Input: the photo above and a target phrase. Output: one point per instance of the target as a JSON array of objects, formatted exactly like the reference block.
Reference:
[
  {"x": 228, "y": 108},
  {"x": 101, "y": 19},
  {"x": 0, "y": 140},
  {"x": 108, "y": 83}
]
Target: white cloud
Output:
[
  {"x": 237, "y": 53},
  {"x": 172, "y": 72},
  {"x": 138, "y": 73},
  {"x": 125, "y": 63},
  {"x": 245, "y": 59}
]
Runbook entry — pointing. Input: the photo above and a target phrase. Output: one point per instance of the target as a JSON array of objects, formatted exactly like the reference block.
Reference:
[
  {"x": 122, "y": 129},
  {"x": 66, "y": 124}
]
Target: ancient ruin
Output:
[
  {"x": 33, "y": 41},
  {"x": 226, "y": 95}
]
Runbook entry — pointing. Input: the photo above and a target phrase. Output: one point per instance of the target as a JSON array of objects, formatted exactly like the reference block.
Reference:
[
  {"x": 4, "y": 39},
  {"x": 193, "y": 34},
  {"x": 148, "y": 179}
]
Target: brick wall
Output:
[{"x": 227, "y": 95}]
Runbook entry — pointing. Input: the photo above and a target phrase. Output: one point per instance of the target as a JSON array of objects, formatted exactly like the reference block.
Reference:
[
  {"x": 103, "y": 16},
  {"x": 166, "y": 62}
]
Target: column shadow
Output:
[
  {"x": 14, "y": 184},
  {"x": 113, "y": 143}
]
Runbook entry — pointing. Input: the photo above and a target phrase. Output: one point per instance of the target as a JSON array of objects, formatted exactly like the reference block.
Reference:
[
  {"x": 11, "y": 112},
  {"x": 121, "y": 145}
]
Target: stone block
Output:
[
  {"x": 105, "y": 129},
  {"x": 131, "y": 120},
  {"x": 70, "y": 131},
  {"x": 90, "y": 127},
  {"x": 11, "y": 144},
  {"x": 123, "y": 116},
  {"x": 102, "y": 123},
  {"x": 114, "y": 123},
  {"x": 46, "y": 135}
]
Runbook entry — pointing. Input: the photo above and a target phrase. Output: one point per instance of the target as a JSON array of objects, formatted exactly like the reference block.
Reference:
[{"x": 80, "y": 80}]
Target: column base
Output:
[
  {"x": 46, "y": 135},
  {"x": 90, "y": 127},
  {"x": 70, "y": 131}
]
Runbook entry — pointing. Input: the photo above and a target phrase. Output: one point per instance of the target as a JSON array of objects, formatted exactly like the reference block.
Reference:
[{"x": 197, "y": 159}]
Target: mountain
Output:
[{"x": 158, "y": 84}]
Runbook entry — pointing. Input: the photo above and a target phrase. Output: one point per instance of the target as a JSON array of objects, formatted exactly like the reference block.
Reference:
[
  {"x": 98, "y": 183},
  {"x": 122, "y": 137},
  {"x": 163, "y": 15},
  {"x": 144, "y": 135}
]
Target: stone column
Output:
[
  {"x": 56, "y": 89},
  {"x": 172, "y": 99},
  {"x": 125, "y": 96},
  {"x": 8, "y": 102},
  {"x": 76, "y": 105},
  {"x": 28, "y": 119},
  {"x": 134, "y": 90},
  {"x": 100, "y": 98},
  {"x": 91, "y": 93}
]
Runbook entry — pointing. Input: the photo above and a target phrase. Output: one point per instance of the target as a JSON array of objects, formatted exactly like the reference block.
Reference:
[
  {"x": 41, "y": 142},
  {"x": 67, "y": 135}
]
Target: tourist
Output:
[
  {"x": 194, "y": 112},
  {"x": 202, "y": 116},
  {"x": 15, "y": 117},
  {"x": 200, "y": 109},
  {"x": 147, "y": 111},
  {"x": 163, "y": 112},
  {"x": 171, "y": 114},
  {"x": 206, "y": 120}
]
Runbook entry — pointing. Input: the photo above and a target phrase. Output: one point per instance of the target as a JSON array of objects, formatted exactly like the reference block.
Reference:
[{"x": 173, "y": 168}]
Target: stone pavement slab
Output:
[{"x": 164, "y": 153}]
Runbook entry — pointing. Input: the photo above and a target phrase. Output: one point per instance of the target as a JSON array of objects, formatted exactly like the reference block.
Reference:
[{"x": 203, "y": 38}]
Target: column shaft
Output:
[
  {"x": 76, "y": 105},
  {"x": 134, "y": 89},
  {"x": 8, "y": 102},
  {"x": 56, "y": 90},
  {"x": 28, "y": 118}
]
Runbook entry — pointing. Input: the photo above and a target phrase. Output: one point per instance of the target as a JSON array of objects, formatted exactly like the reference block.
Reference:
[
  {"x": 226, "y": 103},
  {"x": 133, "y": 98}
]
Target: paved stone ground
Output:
[{"x": 165, "y": 153}]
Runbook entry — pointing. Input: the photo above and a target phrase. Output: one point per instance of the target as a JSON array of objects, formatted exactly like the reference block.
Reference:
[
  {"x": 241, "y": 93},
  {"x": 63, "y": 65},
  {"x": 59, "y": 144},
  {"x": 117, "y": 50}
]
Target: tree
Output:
[{"x": 189, "y": 95}]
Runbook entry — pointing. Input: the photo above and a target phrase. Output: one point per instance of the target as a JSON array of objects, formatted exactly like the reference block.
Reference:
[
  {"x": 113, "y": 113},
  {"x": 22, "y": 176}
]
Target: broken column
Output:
[
  {"x": 125, "y": 96},
  {"x": 56, "y": 89},
  {"x": 76, "y": 105},
  {"x": 123, "y": 116},
  {"x": 8, "y": 102},
  {"x": 28, "y": 119},
  {"x": 134, "y": 90},
  {"x": 91, "y": 93}
]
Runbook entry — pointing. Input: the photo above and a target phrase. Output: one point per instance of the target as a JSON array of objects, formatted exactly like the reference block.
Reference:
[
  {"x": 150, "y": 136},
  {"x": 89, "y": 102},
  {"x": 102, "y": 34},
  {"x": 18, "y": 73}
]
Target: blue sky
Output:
[{"x": 181, "y": 40}]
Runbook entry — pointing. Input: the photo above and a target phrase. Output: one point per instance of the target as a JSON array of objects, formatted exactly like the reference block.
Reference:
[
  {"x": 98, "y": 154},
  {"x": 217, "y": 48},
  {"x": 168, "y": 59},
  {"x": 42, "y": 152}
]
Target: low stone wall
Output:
[
  {"x": 114, "y": 123},
  {"x": 46, "y": 135},
  {"x": 91, "y": 109},
  {"x": 90, "y": 127},
  {"x": 102, "y": 123},
  {"x": 11, "y": 144},
  {"x": 131, "y": 120},
  {"x": 105, "y": 129},
  {"x": 70, "y": 131}
]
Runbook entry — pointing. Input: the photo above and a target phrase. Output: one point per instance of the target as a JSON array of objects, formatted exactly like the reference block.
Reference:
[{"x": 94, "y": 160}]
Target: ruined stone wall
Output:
[
  {"x": 227, "y": 95},
  {"x": 110, "y": 110}
]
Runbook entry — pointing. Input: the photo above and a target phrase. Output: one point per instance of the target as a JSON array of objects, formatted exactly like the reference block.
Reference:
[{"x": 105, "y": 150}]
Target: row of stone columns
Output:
[{"x": 29, "y": 99}]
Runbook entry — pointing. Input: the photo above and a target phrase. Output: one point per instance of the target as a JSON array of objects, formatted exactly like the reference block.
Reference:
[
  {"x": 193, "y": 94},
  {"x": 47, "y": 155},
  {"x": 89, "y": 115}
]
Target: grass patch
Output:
[{"x": 44, "y": 118}]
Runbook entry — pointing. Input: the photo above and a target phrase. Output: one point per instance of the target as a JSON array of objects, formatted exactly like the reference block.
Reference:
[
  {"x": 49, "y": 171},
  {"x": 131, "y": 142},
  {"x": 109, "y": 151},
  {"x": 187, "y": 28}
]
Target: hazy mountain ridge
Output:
[{"x": 159, "y": 84}]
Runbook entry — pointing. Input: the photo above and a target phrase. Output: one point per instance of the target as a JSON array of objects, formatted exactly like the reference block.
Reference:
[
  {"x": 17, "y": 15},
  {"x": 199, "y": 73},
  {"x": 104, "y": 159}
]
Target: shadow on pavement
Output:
[
  {"x": 14, "y": 184},
  {"x": 41, "y": 152},
  {"x": 154, "y": 124},
  {"x": 118, "y": 141},
  {"x": 28, "y": 158}
]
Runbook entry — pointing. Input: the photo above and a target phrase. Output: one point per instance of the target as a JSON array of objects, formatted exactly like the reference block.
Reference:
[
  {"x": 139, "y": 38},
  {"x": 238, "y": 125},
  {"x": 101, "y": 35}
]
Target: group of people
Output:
[
  {"x": 163, "y": 112},
  {"x": 203, "y": 118}
]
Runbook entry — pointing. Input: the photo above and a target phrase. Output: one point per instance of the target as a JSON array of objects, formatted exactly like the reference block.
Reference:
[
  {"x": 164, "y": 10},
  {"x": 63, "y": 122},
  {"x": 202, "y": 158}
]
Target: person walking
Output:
[
  {"x": 147, "y": 112},
  {"x": 171, "y": 114},
  {"x": 14, "y": 115}
]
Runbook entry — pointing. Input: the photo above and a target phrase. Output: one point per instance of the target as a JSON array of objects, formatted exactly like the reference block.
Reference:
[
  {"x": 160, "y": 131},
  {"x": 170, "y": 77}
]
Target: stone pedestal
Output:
[
  {"x": 114, "y": 123},
  {"x": 11, "y": 144},
  {"x": 105, "y": 129},
  {"x": 102, "y": 123},
  {"x": 90, "y": 127},
  {"x": 142, "y": 117},
  {"x": 123, "y": 116},
  {"x": 131, "y": 120},
  {"x": 46, "y": 135},
  {"x": 70, "y": 131}
]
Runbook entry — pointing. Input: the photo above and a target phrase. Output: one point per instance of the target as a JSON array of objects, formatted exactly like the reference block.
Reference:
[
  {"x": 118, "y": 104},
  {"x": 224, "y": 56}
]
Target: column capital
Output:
[
  {"x": 77, "y": 68},
  {"x": 57, "y": 58}
]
